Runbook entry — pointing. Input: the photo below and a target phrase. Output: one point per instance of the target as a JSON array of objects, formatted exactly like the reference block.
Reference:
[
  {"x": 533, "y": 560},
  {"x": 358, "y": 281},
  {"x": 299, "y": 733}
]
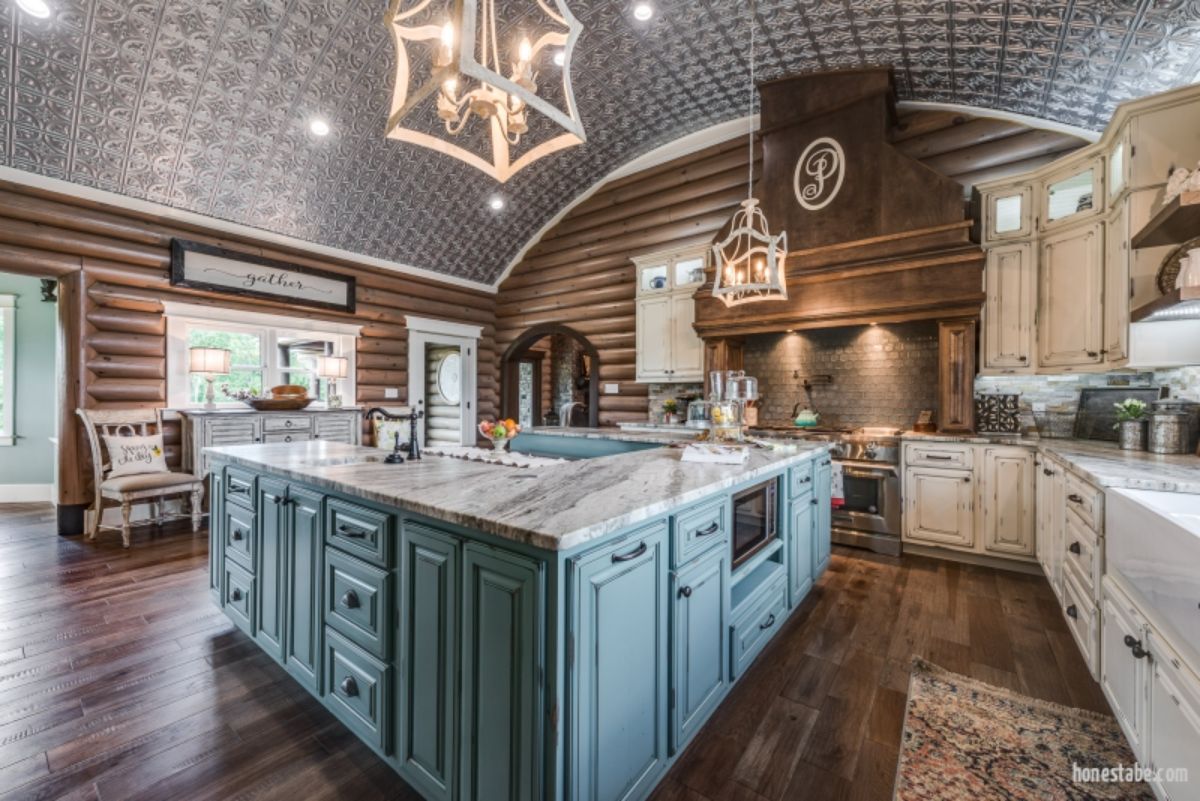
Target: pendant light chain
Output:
[{"x": 750, "y": 137}]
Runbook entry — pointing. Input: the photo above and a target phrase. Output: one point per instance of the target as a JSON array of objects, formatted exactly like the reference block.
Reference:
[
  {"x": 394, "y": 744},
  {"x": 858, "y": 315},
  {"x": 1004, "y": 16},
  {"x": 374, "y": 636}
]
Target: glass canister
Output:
[
  {"x": 1169, "y": 431},
  {"x": 699, "y": 414},
  {"x": 726, "y": 421}
]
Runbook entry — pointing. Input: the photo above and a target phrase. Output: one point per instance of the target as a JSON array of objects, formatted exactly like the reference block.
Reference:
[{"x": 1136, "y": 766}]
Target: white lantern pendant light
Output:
[{"x": 749, "y": 261}]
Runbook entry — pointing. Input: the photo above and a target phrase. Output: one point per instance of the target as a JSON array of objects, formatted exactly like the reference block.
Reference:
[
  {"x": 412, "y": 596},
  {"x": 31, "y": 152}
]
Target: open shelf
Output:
[
  {"x": 753, "y": 575},
  {"x": 1174, "y": 224}
]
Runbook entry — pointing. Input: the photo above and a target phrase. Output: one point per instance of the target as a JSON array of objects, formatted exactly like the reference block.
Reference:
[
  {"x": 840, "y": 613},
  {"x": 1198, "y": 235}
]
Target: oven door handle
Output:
[{"x": 874, "y": 472}]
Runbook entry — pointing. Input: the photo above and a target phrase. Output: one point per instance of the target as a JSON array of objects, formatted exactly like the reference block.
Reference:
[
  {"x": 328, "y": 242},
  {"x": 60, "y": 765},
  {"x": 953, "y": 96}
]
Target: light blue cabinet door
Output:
[
  {"x": 801, "y": 550},
  {"x": 271, "y": 540},
  {"x": 430, "y": 561},
  {"x": 699, "y": 644},
  {"x": 302, "y": 588},
  {"x": 501, "y": 675},
  {"x": 216, "y": 535},
  {"x": 618, "y": 681},
  {"x": 823, "y": 518}
]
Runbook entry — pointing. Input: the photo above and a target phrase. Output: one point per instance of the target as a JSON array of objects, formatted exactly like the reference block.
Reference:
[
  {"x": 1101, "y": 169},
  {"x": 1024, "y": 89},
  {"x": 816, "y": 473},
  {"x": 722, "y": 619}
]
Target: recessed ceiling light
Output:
[
  {"x": 496, "y": 203},
  {"x": 643, "y": 12},
  {"x": 318, "y": 127},
  {"x": 560, "y": 58},
  {"x": 34, "y": 8}
]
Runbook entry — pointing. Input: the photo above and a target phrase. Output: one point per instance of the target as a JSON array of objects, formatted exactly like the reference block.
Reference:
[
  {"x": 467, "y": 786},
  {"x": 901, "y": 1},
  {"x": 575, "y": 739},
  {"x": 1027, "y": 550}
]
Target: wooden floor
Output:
[{"x": 120, "y": 680}]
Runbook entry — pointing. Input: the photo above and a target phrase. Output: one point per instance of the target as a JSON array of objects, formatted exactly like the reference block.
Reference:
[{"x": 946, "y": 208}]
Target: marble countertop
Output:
[
  {"x": 556, "y": 508},
  {"x": 1102, "y": 463},
  {"x": 668, "y": 436}
]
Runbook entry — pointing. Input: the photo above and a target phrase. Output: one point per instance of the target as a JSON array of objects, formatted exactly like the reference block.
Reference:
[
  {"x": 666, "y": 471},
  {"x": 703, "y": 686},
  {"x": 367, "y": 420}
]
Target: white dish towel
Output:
[{"x": 838, "y": 493}]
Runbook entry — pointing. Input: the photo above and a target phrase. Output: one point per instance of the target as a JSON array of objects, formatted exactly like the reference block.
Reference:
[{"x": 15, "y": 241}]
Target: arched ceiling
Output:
[{"x": 203, "y": 104}]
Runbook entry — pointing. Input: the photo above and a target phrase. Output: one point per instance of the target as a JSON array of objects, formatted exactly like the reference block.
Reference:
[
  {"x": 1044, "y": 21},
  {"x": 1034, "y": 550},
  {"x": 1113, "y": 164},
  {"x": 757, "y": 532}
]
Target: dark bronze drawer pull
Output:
[
  {"x": 712, "y": 529},
  {"x": 1074, "y": 548},
  {"x": 806, "y": 480},
  {"x": 235, "y": 594},
  {"x": 238, "y": 489},
  {"x": 351, "y": 531},
  {"x": 287, "y": 423},
  {"x": 938, "y": 457},
  {"x": 766, "y": 624},
  {"x": 1135, "y": 646},
  {"x": 1072, "y": 611},
  {"x": 1047, "y": 471},
  {"x": 349, "y": 687},
  {"x": 350, "y": 600},
  {"x": 1073, "y": 498},
  {"x": 634, "y": 554}
]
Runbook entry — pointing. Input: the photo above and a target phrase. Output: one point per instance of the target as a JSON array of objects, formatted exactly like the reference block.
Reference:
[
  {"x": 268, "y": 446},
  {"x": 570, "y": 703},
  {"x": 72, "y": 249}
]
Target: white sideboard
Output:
[{"x": 203, "y": 429}]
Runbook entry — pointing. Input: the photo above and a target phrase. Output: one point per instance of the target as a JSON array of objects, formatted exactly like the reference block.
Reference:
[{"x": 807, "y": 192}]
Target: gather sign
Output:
[{"x": 200, "y": 266}]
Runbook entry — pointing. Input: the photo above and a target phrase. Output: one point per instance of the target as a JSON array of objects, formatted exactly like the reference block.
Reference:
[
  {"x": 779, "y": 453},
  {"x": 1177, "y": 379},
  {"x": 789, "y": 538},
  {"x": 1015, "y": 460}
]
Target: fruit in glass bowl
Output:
[{"x": 499, "y": 432}]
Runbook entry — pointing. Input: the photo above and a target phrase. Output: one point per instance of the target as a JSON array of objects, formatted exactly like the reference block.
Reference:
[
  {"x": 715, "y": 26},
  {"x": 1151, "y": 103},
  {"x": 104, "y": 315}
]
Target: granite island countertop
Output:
[
  {"x": 662, "y": 436},
  {"x": 557, "y": 507}
]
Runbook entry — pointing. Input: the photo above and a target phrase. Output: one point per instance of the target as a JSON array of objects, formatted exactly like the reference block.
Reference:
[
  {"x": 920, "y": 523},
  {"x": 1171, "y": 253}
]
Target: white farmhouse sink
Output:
[{"x": 1153, "y": 541}]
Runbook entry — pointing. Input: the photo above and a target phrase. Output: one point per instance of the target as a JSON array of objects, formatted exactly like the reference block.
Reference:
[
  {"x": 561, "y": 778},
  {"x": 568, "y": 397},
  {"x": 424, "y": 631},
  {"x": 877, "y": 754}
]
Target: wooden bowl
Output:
[
  {"x": 288, "y": 391},
  {"x": 278, "y": 404}
]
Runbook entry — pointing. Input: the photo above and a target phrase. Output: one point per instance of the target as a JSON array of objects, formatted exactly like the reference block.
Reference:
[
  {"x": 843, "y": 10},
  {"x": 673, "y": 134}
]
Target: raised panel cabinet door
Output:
[
  {"x": 430, "y": 561},
  {"x": 1123, "y": 675},
  {"x": 653, "y": 338},
  {"x": 1173, "y": 736},
  {"x": 1044, "y": 543},
  {"x": 271, "y": 542},
  {"x": 938, "y": 507},
  {"x": 216, "y": 535},
  {"x": 617, "y": 745},
  {"x": 1070, "y": 316},
  {"x": 1008, "y": 501},
  {"x": 1010, "y": 282},
  {"x": 699, "y": 644},
  {"x": 687, "y": 348},
  {"x": 502, "y": 660},
  {"x": 822, "y": 538},
  {"x": 1117, "y": 257},
  {"x": 302, "y": 590},
  {"x": 801, "y": 548}
]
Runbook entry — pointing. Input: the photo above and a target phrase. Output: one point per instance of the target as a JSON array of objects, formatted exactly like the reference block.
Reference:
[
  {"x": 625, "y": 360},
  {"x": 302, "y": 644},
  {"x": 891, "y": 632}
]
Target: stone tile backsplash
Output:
[{"x": 881, "y": 375}]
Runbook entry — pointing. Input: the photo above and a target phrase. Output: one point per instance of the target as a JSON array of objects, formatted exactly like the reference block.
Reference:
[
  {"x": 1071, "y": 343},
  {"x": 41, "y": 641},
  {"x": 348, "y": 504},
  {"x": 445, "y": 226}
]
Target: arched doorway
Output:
[{"x": 560, "y": 357}]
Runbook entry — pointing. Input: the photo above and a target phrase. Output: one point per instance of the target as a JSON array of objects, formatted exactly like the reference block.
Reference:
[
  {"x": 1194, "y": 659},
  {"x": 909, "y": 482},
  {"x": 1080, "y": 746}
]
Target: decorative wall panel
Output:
[{"x": 203, "y": 105}]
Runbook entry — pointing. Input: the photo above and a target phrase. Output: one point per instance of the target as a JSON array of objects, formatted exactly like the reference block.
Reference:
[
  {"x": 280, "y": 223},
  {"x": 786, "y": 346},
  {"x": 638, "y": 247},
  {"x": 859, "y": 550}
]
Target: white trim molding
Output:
[
  {"x": 8, "y": 353},
  {"x": 428, "y": 325},
  {"x": 26, "y": 493}
]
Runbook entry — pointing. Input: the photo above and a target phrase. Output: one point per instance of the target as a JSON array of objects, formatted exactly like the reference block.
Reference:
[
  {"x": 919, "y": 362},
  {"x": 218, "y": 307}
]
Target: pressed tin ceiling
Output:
[{"x": 204, "y": 105}]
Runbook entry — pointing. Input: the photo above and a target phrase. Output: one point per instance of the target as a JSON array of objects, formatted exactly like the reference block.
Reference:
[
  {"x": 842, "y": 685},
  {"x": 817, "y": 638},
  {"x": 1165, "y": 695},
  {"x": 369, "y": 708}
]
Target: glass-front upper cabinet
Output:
[
  {"x": 667, "y": 272},
  {"x": 1118, "y": 164},
  {"x": 654, "y": 277},
  {"x": 1008, "y": 214},
  {"x": 1072, "y": 193}
]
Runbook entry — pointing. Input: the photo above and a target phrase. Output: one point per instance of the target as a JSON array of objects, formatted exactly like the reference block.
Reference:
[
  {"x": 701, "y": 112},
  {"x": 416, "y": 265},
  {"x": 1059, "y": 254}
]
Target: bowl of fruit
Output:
[{"x": 499, "y": 432}]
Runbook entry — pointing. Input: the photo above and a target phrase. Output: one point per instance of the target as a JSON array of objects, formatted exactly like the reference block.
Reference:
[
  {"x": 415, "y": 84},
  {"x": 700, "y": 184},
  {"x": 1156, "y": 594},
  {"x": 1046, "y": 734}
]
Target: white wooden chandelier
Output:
[
  {"x": 470, "y": 71},
  {"x": 749, "y": 261}
]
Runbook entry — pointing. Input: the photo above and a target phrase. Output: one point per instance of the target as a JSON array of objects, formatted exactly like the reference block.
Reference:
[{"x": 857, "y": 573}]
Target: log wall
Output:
[{"x": 114, "y": 276}]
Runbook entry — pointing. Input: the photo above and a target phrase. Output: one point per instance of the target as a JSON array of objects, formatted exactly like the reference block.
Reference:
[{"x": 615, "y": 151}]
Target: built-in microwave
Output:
[{"x": 755, "y": 513}]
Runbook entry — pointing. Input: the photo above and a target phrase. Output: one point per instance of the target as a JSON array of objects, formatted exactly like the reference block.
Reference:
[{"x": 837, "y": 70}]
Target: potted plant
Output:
[
  {"x": 1131, "y": 424},
  {"x": 670, "y": 411},
  {"x": 500, "y": 432}
]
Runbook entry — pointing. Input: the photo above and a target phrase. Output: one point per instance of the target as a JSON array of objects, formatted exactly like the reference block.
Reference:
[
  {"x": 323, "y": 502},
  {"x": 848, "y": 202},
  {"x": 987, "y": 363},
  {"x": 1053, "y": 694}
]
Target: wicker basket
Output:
[{"x": 1055, "y": 425}]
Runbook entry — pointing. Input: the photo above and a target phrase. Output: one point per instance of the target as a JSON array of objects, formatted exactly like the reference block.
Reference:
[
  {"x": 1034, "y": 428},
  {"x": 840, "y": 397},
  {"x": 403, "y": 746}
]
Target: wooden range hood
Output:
[{"x": 883, "y": 240}]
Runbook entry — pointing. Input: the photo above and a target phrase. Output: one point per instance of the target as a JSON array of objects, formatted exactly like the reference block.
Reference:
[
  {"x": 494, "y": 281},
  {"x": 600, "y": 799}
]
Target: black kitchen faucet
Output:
[{"x": 413, "y": 447}]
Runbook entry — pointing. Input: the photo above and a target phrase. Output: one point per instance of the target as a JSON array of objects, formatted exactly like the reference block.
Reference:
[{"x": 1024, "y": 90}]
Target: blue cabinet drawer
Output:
[
  {"x": 359, "y": 530},
  {"x": 358, "y": 602},
  {"x": 800, "y": 479},
  {"x": 238, "y": 533},
  {"x": 753, "y": 630},
  {"x": 699, "y": 528},
  {"x": 238, "y": 597},
  {"x": 358, "y": 690},
  {"x": 239, "y": 487}
]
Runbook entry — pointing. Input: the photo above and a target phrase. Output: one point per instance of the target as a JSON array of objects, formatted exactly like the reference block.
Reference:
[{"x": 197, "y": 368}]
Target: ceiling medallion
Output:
[
  {"x": 469, "y": 72},
  {"x": 750, "y": 261}
]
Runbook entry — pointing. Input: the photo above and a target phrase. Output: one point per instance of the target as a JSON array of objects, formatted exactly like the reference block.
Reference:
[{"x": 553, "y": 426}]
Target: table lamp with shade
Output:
[
  {"x": 332, "y": 368},
  {"x": 210, "y": 363}
]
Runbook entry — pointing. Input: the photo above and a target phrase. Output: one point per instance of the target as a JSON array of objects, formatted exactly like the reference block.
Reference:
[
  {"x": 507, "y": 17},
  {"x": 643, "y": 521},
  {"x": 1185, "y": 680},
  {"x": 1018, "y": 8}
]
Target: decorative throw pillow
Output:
[
  {"x": 386, "y": 431},
  {"x": 132, "y": 455}
]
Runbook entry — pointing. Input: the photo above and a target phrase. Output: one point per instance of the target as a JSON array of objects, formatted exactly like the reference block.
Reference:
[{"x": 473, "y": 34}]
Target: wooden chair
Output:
[{"x": 149, "y": 488}]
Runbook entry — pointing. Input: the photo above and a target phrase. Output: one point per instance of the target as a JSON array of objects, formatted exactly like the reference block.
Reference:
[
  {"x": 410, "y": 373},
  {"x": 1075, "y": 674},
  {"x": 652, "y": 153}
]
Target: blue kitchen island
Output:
[{"x": 558, "y": 631}]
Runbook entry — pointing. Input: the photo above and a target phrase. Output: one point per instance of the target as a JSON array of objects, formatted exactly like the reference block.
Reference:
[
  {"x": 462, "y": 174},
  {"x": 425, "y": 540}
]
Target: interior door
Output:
[{"x": 425, "y": 351}]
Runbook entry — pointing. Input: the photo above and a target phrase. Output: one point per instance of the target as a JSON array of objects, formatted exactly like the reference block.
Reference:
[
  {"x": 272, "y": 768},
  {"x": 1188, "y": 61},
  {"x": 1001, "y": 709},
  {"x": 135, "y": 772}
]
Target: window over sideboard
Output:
[{"x": 267, "y": 350}]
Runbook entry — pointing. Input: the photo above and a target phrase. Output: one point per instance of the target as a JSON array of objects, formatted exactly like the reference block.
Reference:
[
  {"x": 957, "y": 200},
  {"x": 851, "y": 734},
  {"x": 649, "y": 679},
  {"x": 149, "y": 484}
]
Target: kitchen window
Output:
[
  {"x": 8, "y": 372},
  {"x": 266, "y": 350}
]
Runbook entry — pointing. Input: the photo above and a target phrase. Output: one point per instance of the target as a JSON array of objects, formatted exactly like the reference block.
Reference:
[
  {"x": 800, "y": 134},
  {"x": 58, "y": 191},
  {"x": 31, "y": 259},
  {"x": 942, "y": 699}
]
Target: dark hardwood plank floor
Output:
[{"x": 120, "y": 680}]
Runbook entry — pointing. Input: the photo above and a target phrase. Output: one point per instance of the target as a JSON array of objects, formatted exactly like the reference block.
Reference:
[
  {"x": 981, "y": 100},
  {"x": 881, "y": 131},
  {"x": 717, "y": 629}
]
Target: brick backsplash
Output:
[{"x": 883, "y": 375}]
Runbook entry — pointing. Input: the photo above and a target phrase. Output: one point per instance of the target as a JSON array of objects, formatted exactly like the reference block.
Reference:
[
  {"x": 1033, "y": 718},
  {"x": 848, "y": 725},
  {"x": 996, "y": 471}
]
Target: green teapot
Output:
[{"x": 807, "y": 418}]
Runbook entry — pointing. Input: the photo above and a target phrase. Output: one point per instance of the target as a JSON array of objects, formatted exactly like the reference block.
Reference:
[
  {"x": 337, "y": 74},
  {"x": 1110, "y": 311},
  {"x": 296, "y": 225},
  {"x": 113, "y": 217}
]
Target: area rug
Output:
[{"x": 967, "y": 740}]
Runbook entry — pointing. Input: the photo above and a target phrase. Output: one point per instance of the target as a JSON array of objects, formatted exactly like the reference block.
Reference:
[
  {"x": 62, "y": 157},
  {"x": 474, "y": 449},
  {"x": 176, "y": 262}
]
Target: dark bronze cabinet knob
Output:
[
  {"x": 1074, "y": 547},
  {"x": 235, "y": 594},
  {"x": 1072, "y": 612},
  {"x": 236, "y": 534},
  {"x": 350, "y": 600},
  {"x": 686, "y": 592},
  {"x": 349, "y": 687}
]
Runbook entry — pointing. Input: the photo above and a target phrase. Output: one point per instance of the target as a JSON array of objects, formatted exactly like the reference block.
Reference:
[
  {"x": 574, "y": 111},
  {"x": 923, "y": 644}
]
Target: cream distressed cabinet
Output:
[
  {"x": 1009, "y": 507},
  {"x": 939, "y": 506},
  {"x": 668, "y": 348},
  {"x": 1010, "y": 275},
  {"x": 1070, "y": 311}
]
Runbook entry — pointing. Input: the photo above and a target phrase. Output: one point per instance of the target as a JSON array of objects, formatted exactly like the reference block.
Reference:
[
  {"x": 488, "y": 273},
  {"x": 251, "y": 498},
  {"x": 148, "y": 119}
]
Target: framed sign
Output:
[{"x": 199, "y": 266}]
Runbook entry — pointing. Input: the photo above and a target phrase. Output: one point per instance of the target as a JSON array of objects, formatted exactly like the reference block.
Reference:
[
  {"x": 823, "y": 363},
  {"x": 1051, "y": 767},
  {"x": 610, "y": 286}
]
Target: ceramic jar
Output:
[{"x": 1189, "y": 270}]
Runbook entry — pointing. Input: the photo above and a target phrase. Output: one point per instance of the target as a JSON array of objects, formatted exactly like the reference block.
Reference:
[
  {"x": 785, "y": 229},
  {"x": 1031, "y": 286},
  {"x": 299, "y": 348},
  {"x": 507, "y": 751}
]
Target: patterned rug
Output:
[{"x": 964, "y": 739}]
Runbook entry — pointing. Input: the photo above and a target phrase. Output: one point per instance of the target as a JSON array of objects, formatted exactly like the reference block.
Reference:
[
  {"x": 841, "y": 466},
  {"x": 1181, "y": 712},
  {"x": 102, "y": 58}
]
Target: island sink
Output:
[{"x": 562, "y": 637}]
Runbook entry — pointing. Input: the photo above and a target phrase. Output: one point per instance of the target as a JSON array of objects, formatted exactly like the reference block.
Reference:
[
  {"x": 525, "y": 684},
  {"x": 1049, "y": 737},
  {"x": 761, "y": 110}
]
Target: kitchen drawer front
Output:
[
  {"x": 358, "y": 530},
  {"x": 239, "y": 537},
  {"x": 358, "y": 690},
  {"x": 238, "y": 595},
  {"x": 698, "y": 529},
  {"x": 1079, "y": 609},
  {"x": 287, "y": 423},
  {"x": 358, "y": 601},
  {"x": 239, "y": 487},
  {"x": 939, "y": 454},
  {"x": 800, "y": 479},
  {"x": 285, "y": 436},
  {"x": 752, "y": 631},
  {"x": 1081, "y": 554},
  {"x": 1087, "y": 501}
]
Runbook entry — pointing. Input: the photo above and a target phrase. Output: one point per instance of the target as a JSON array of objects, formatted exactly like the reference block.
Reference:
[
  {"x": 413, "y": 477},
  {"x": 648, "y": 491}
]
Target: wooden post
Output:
[{"x": 73, "y": 497}]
